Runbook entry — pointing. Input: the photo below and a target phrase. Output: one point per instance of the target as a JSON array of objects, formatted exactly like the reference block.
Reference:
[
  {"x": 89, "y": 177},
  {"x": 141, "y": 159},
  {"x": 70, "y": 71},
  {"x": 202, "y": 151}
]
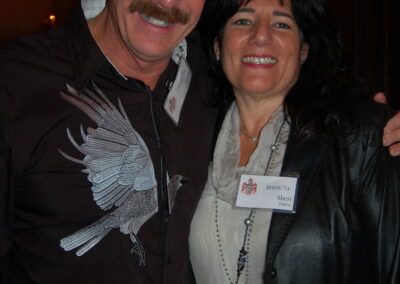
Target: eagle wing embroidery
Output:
[{"x": 119, "y": 167}]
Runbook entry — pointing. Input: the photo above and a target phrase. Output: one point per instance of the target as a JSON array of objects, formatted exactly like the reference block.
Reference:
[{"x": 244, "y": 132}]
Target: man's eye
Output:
[
  {"x": 242, "y": 22},
  {"x": 281, "y": 26}
]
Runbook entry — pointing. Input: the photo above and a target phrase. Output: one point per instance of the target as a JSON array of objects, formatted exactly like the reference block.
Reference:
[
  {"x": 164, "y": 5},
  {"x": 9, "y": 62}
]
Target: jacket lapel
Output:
[{"x": 303, "y": 159}]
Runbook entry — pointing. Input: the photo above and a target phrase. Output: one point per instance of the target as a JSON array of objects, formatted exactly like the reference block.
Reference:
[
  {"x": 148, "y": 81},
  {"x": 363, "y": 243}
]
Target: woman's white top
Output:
[{"x": 223, "y": 181}]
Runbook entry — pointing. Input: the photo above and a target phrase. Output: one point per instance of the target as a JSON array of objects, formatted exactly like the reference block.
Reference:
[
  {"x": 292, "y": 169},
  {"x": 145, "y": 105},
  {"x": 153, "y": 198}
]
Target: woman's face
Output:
[{"x": 262, "y": 50}]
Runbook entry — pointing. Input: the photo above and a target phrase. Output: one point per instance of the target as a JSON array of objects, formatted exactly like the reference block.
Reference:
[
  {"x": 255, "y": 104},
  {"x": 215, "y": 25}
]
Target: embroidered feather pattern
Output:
[{"x": 120, "y": 169}]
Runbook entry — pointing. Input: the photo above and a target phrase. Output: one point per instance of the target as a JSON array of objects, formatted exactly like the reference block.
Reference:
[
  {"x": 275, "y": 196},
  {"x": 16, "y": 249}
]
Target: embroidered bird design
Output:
[
  {"x": 120, "y": 169},
  {"x": 174, "y": 184}
]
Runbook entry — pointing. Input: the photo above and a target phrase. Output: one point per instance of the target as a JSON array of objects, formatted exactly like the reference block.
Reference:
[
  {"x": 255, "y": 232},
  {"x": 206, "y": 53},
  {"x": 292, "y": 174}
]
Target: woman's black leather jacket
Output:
[{"x": 346, "y": 228}]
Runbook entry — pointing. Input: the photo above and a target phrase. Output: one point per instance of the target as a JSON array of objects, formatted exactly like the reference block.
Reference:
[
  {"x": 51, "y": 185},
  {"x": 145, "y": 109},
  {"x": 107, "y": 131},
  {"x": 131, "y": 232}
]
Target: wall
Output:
[
  {"x": 27, "y": 16},
  {"x": 370, "y": 29}
]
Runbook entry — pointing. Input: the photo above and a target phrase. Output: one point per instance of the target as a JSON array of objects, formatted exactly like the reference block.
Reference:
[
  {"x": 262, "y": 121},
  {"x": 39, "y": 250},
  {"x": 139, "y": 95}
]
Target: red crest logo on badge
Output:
[
  {"x": 249, "y": 187},
  {"x": 172, "y": 104}
]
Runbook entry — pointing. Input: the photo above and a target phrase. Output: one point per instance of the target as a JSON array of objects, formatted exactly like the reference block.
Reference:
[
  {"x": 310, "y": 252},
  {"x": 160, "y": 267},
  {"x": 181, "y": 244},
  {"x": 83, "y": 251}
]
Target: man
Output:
[
  {"x": 57, "y": 181},
  {"x": 105, "y": 134}
]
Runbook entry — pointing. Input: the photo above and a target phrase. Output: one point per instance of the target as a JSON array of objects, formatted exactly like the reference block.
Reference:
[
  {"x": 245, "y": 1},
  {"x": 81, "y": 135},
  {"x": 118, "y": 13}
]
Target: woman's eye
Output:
[
  {"x": 242, "y": 22},
  {"x": 281, "y": 26}
]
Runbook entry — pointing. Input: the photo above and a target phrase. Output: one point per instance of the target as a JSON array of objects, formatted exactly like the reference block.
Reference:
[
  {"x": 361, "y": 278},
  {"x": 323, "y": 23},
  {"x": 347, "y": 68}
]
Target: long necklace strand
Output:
[{"x": 242, "y": 261}]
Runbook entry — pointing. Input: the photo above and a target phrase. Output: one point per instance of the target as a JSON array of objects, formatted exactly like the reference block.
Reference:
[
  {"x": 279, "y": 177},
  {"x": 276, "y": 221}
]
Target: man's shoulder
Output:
[
  {"x": 196, "y": 52},
  {"x": 194, "y": 39},
  {"x": 33, "y": 50},
  {"x": 31, "y": 64}
]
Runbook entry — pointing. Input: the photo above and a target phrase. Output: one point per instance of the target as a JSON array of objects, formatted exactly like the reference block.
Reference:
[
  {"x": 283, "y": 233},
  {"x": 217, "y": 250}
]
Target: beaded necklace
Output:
[{"x": 242, "y": 261}]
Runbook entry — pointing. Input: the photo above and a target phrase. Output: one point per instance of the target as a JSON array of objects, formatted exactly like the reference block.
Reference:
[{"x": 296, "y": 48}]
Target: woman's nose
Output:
[{"x": 262, "y": 34}]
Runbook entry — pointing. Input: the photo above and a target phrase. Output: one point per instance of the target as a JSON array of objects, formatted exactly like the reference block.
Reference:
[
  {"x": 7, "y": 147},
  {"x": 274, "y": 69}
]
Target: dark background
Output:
[{"x": 370, "y": 29}]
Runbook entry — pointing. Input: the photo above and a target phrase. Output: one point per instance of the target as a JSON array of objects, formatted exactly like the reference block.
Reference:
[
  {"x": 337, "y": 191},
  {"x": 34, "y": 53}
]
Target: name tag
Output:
[
  {"x": 267, "y": 192},
  {"x": 176, "y": 96}
]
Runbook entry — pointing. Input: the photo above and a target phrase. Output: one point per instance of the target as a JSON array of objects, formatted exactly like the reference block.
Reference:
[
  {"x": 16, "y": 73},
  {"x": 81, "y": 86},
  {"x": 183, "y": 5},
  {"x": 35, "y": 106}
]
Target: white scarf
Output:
[{"x": 225, "y": 173}]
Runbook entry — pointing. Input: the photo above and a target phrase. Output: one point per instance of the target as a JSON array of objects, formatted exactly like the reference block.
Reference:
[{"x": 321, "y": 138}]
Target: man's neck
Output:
[{"x": 109, "y": 41}]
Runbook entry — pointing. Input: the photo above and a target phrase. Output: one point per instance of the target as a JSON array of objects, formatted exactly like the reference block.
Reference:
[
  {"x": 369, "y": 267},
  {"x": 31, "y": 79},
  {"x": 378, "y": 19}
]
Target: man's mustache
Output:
[{"x": 150, "y": 9}]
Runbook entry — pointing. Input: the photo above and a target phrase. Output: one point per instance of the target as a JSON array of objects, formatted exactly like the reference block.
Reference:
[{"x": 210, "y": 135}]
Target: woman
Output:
[{"x": 294, "y": 111}]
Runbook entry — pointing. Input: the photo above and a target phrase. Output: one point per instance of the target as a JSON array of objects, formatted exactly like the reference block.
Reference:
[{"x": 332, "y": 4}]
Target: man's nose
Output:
[{"x": 168, "y": 3}]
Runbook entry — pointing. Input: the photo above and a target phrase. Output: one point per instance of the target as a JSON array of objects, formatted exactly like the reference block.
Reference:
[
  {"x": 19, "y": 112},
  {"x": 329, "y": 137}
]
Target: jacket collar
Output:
[{"x": 303, "y": 159}]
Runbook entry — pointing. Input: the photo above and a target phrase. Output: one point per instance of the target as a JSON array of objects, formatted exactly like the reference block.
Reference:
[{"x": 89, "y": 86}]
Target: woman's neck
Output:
[{"x": 254, "y": 115}]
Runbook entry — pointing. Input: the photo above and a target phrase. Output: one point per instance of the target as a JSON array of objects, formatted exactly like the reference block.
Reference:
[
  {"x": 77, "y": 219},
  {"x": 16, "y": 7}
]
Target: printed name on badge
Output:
[{"x": 267, "y": 192}]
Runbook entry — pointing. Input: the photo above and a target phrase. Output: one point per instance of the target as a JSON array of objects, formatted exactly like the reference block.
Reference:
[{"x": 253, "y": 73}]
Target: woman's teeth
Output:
[{"x": 260, "y": 60}]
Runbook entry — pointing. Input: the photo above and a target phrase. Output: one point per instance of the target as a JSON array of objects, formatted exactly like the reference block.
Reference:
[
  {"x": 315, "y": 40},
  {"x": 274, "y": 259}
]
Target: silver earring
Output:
[{"x": 217, "y": 57}]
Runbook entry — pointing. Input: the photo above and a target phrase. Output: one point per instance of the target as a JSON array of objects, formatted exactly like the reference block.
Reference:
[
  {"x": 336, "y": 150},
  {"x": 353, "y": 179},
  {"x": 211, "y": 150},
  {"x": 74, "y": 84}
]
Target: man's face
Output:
[{"x": 151, "y": 29}]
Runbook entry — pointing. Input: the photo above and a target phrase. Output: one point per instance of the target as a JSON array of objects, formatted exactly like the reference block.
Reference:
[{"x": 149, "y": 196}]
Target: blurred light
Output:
[{"x": 52, "y": 18}]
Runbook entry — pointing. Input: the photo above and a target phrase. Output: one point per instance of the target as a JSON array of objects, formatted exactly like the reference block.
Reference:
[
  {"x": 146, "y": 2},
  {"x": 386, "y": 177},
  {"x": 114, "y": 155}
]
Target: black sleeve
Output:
[
  {"x": 380, "y": 204},
  {"x": 5, "y": 194}
]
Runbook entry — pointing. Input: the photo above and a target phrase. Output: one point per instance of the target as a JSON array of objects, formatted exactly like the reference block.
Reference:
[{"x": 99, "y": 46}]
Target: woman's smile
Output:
[{"x": 259, "y": 60}]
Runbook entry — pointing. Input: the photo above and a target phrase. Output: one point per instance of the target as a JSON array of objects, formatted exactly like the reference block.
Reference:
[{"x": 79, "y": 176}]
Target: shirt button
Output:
[
  {"x": 169, "y": 259},
  {"x": 273, "y": 273}
]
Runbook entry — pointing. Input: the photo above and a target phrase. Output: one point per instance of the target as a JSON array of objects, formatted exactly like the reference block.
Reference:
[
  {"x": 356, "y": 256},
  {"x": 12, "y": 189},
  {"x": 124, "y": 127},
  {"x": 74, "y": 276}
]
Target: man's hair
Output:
[{"x": 321, "y": 101}]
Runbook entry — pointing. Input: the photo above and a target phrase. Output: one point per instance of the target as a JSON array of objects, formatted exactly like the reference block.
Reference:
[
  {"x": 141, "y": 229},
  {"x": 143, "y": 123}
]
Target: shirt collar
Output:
[
  {"x": 91, "y": 8},
  {"x": 87, "y": 57}
]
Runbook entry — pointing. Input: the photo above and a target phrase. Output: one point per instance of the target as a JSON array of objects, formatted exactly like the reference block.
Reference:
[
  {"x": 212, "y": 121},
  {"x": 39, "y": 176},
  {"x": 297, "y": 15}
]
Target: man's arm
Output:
[
  {"x": 5, "y": 203},
  {"x": 391, "y": 135}
]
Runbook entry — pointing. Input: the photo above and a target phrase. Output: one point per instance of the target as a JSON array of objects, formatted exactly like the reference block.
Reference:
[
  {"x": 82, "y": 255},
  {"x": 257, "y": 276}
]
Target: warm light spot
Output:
[{"x": 52, "y": 18}]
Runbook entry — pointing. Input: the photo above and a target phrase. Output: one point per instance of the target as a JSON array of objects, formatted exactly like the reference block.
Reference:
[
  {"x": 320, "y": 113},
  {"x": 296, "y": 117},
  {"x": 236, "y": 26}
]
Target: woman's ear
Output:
[
  {"x": 304, "y": 52},
  {"x": 216, "y": 49}
]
